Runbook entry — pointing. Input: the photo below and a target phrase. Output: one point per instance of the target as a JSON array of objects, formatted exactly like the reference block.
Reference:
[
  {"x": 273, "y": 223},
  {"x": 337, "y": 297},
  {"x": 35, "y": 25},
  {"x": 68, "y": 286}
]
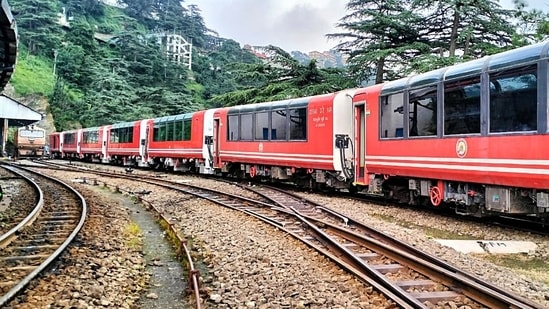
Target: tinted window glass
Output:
[
  {"x": 187, "y": 130},
  {"x": 246, "y": 127},
  {"x": 392, "y": 115},
  {"x": 513, "y": 100},
  {"x": 462, "y": 107},
  {"x": 298, "y": 124},
  {"x": 278, "y": 125},
  {"x": 178, "y": 130},
  {"x": 232, "y": 128},
  {"x": 262, "y": 126},
  {"x": 423, "y": 111}
]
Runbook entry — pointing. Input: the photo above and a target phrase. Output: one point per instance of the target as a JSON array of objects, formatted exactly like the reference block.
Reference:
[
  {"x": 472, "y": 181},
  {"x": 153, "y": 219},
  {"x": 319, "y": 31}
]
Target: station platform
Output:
[{"x": 14, "y": 114}]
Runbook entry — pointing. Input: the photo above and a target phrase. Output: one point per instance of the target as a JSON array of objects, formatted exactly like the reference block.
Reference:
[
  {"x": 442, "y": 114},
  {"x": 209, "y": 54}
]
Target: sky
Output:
[{"x": 290, "y": 24}]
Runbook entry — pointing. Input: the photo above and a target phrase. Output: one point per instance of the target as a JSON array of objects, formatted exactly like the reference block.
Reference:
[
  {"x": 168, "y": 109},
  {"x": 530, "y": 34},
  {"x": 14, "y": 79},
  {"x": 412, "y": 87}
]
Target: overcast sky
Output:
[{"x": 290, "y": 24}]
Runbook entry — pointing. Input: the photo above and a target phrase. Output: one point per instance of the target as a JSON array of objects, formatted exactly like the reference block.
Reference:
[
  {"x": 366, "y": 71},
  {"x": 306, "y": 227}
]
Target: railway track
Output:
[
  {"x": 38, "y": 239},
  {"x": 426, "y": 278},
  {"x": 411, "y": 278}
]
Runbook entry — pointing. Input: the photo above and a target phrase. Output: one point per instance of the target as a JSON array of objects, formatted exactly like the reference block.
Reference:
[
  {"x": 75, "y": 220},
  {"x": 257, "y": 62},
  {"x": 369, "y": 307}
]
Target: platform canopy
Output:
[
  {"x": 8, "y": 43},
  {"x": 18, "y": 115}
]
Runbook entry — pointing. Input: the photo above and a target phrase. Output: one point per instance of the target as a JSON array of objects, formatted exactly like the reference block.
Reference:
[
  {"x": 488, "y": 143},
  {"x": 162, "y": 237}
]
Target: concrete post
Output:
[{"x": 3, "y": 135}]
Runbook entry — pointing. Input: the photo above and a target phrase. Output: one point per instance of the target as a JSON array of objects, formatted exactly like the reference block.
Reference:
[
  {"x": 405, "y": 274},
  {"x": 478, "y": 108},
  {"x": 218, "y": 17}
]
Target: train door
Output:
[
  {"x": 61, "y": 144},
  {"x": 105, "y": 145},
  {"x": 216, "y": 142},
  {"x": 78, "y": 142},
  {"x": 144, "y": 143},
  {"x": 208, "y": 145},
  {"x": 360, "y": 141}
]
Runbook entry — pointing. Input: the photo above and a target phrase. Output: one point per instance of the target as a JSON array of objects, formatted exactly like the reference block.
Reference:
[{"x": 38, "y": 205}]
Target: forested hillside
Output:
[{"x": 106, "y": 64}]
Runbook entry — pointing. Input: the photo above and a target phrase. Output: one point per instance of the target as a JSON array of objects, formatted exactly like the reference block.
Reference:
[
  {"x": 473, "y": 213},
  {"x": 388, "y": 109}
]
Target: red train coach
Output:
[
  {"x": 94, "y": 144},
  {"x": 474, "y": 134},
  {"x": 70, "y": 144},
  {"x": 126, "y": 143},
  {"x": 304, "y": 140},
  {"x": 55, "y": 144},
  {"x": 176, "y": 141}
]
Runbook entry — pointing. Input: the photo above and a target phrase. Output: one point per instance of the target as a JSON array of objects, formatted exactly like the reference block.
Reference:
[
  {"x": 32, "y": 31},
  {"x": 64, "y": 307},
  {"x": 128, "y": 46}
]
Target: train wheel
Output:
[
  {"x": 252, "y": 171},
  {"x": 436, "y": 196}
]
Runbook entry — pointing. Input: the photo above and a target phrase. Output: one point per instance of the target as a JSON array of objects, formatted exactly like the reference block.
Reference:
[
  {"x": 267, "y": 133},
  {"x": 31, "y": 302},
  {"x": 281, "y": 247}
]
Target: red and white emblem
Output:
[{"x": 461, "y": 147}]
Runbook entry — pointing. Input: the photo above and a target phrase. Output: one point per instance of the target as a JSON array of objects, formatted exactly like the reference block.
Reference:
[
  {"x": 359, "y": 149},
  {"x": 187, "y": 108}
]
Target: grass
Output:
[
  {"x": 33, "y": 75},
  {"x": 133, "y": 234},
  {"x": 531, "y": 266}
]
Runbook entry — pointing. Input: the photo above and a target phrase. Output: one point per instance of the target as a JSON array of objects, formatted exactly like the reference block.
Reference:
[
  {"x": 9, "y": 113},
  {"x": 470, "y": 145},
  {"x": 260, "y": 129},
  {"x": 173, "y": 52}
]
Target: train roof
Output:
[
  {"x": 123, "y": 124},
  {"x": 501, "y": 61},
  {"x": 273, "y": 105},
  {"x": 90, "y": 129},
  {"x": 174, "y": 117}
]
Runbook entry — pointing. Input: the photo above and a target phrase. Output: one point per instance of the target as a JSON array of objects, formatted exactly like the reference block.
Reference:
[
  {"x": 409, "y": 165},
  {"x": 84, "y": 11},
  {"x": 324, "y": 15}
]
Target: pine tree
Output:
[
  {"x": 37, "y": 23},
  {"x": 379, "y": 35}
]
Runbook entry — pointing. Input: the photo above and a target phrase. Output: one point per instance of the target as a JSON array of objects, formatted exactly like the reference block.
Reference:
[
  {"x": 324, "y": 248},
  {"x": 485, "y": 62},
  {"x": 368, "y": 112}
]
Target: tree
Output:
[
  {"x": 474, "y": 27},
  {"x": 532, "y": 25},
  {"x": 139, "y": 9},
  {"x": 196, "y": 28},
  {"x": 84, "y": 7},
  {"x": 380, "y": 35},
  {"x": 37, "y": 24},
  {"x": 282, "y": 77}
]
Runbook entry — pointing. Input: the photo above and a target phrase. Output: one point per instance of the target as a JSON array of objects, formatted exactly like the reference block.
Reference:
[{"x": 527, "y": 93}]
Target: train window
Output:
[
  {"x": 156, "y": 132},
  {"x": 121, "y": 135},
  {"x": 298, "y": 124},
  {"x": 423, "y": 111},
  {"x": 178, "y": 130},
  {"x": 246, "y": 127},
  {"x": 187, "y": 129},
  {"x": 91, "y": 137},
  {"x": 68, "y": 138},
  {"x": 31, "y": 133},
  {"x": 232, "y": 128},
  {"x": 114, "y": 136},
  {"x": 170, "y": 130},
  {"x": 513, "y": 100},
  {"x": 278, "y": 125},
  {"x": 462, "y": 107},
  {"x": 392, "y": 115},
  {"x": 262, "y": 126},
  {"x": 162, "y": 133}
]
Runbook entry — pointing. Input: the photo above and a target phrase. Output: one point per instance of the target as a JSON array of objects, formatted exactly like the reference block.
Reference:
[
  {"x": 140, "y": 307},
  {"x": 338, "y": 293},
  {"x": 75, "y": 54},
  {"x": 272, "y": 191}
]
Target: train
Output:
[
  {"x": 471, "y": 136},
  {"x": 29, "y": 142}
]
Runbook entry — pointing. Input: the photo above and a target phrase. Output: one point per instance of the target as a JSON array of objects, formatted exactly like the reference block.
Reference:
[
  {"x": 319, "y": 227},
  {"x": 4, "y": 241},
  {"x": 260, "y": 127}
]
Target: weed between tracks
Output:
[
  {"x": 133, "y": 236},
  {"x": 531, "y": 266}
]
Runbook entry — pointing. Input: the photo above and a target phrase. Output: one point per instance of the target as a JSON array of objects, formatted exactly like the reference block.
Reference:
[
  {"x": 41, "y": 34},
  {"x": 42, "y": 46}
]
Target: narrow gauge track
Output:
[
  {"x": 408, "y": 276},
  {"x": 31, "y": 246},
  {"x": 426, "y": 278}
]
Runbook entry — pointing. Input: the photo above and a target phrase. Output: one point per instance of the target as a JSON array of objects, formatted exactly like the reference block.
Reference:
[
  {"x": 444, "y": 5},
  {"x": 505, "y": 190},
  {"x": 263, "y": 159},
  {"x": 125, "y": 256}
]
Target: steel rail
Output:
[
  {"x": 470, "y": 285},
  {"x": 10, "y": 235},
  {"x": 462, "y": 279},
  {"x": 38, "y": 270}
]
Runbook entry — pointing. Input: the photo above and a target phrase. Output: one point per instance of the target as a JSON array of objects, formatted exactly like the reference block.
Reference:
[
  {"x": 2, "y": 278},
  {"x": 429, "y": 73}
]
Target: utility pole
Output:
[{"x": 54, "y": 61}]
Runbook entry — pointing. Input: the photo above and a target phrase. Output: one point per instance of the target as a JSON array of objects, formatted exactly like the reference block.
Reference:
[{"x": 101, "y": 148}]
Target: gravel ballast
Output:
[{"x": 249, "y": 264}]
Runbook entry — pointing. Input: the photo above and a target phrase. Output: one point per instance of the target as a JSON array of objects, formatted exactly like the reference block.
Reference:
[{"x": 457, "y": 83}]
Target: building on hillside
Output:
[
  {"x": 113, "y": 3},
  {"x": 259, "y": 51},
  {"x": 178, "y": 49}
]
